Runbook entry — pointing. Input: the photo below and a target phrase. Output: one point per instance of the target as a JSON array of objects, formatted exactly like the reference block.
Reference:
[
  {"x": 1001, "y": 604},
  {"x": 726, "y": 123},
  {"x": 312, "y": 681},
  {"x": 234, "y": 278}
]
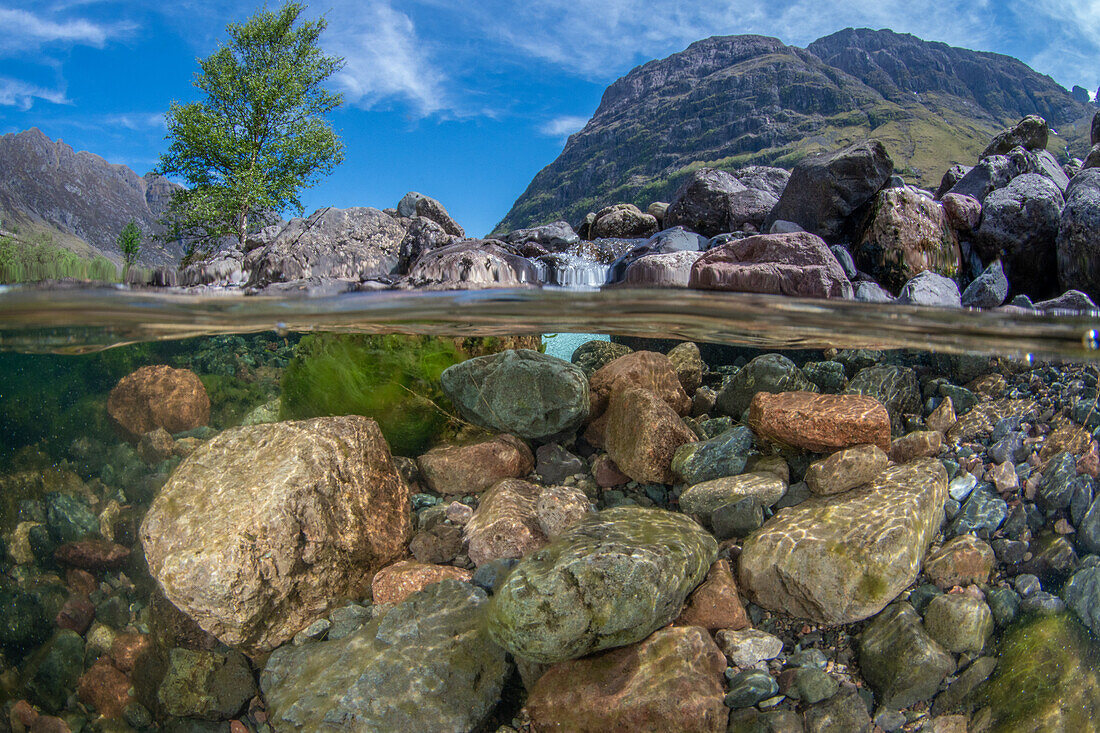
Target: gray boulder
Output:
[
  {"x": 953, "y": 175},
  {"x": 764, "y": 178},
  {"x": 421, "y": 236},
  {"x": 668, "y": 241},
  {"x": 1020, "y": 226},
  {"x": 416, "y": 204},
  {"x": 749, "y": 209},
  {"x": 1082, "y": 595},
  {"x": 1092, "y": 160},
  {"x": 704, "y": 203},
  {"x": 1078, "y": 243},
  {"x": 1031, "y": 133},
  {"x": 337, "y": 244},
  {"x": 987, "y": 176},
  {"x": 521, "y": 392},
  {"x": 988, "y": 290},
  {"x": 1096, "y": 126},
  {"x": 866, "y": 291},
  {"x": 426, "y": 665},
  {"x": 554, "y": 237},
  {"x": 224, "y": 268},
  {"x": 622, "y": 221},
  {"x": 824, "y": 190},
  {"x": 610, "y": 580},
  {"x": 928, "y": 288},
  {"x": 470, "y": 264},
  {"x": 1050, "y": 168}
]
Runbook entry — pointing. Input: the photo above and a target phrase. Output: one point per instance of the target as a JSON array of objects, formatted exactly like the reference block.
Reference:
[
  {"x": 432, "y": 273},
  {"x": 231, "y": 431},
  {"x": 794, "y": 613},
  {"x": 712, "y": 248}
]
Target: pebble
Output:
[
  {"x": 960, "y": 487},
  {"x": 748, "y": 647},
  {"x": 749, "y": 687}
]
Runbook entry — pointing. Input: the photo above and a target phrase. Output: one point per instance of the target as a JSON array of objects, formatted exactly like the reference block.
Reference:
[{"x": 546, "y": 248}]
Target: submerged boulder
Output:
[
  {"x": 610, "y": 580},
  {"x": 820, "y": 422},
  {"x": 519, "y": 391},
  {"x": 158, "y": 397},
  {"x": 901, "y": 661},
  {"x": 670, "y": 681},
  {"x": 427, "y": 665},
  {"x": 642, "y": 434},
  {"x": 843, "y": 558},
  {"x": 263, "y": 527}
]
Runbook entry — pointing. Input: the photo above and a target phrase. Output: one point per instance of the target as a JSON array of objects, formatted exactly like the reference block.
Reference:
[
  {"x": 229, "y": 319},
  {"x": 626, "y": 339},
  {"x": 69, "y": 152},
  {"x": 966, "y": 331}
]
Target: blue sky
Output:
[{"x": 463, "y": 101}]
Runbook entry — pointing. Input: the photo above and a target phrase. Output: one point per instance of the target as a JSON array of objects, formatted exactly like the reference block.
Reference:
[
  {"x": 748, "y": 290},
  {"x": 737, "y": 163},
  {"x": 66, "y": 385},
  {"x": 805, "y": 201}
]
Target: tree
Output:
[
  {"x": 258, "y": 137},
  {"x": 129, "y": 241}
]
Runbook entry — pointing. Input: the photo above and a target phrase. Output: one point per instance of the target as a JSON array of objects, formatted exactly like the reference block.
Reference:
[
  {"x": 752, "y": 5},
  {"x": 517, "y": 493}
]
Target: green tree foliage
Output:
[
  {"x": 129, "y": 241},
  {"x": 258, "y": 137}
]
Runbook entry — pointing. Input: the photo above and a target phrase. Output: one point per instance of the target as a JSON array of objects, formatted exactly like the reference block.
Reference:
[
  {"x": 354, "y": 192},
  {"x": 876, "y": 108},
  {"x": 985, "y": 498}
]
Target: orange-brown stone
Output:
[
  {"x": 105, "y": 688},
  {"x": 963, "y": 560},
  {"x": 395, "y": 583},
  {"x": 505, "y": 523},
  {"x": 92, "y": 554},
  {"x": 671, "y": 681},
  {"x": 918, "y": 444},
  {"x": 158, "y": 397},
  {"x": 470, "y": 469},
  {"x": 128, "y": 649},
  {"x": 820, "y": 422},
  {"x": 642, "y": 435},
  {"x": 715, "y": 604}
]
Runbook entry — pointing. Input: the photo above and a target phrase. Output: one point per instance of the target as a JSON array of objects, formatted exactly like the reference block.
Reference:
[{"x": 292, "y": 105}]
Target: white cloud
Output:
[
  {"x": 563, "y": 126},
  {"x": 16, "y": 93},
  {"x": 137, "y": 121},
  {"x": 24, "y": 30},
  {"x": 384, "y": 58}
]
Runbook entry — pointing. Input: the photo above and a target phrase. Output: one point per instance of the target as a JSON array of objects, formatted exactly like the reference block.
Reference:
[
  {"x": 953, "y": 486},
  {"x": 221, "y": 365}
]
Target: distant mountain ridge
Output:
[
  {"x": 732, "y": 101},
  {"x": 80, "y": 199}
]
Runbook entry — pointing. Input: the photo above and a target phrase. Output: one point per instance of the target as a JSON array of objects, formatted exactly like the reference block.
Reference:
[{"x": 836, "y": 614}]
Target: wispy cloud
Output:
[
  {"x": 563, "y": 126},
  {"x": 384, "y": 58},
  {"x": 24, "y": 30},
  {"x": 137, "y": 121},
  {"x": 16, "y": 93}
]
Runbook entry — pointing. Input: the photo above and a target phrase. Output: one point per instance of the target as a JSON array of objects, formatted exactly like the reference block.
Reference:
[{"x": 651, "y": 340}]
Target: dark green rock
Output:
[
  {"x": 981, "y": 514},
  {"x": 427, "y": 665},
  {"x": 1003, "y": 603},
  {"x": 772, "y": 373},
  {"x": 894, "y": 386},
  {"x": 901, "y": 661},
  {"x": 206, "y": 685},
  {"x": 52, "y": 672},
  {"x": 592, "y": 355},
  {"x": 23, "y": 622},
  {"x": 844, "y": 712},
  {"x": 1056, "y": 489},
  {"x": 69, "y": 518},
  {"x": 827, "y": 375},
  {"x": 737, "y": 518},
  {"x": 750, "y": 687},
  {"x": 519, "y": 391},
  {"x": 957, "y": 695},
  {"x": 1082, "y": 595},
  {"x": 610, "y": 580},
  {"x": 724, "y": 455},
  {"x": 811, "y": 685}
]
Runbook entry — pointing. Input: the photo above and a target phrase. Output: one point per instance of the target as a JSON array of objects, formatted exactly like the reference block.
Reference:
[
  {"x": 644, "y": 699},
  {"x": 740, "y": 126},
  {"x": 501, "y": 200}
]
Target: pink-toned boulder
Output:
[
  {"x": 671, "y": 681},
  {"x": 964, "y": 213},
  {"x": 669, "y": 270},
  {"x": 797, "y": 264},
  {"x": 645, "y": 369},
  {"x": 505, "y": 523},
  {"x": 963, "y": 560},
  {"x": 907, "y": 234},
  {"x": 394, "y": 583},
  {"x": 158, "y": 397},
  {"x": 106, "y": 689},
  {"x": 470, "y": 469},
  {"x": 917, "y": 444},
  {"x": 820, "y": 422},
  {"x": 642, "y": 433}
]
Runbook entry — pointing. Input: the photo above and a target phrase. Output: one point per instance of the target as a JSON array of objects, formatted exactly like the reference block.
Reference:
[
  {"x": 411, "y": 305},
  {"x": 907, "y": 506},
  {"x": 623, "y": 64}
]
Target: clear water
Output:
[{"x": 65, "y": 468}]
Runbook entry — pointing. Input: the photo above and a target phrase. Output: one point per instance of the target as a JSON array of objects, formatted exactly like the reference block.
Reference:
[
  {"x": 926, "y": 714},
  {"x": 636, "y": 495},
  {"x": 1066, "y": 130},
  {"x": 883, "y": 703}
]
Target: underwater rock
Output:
[
  {"x": 703, "y": 499},
  {"x": 642, "y": 435},
  {"x": 505, "y": 523},
  {"x": 158, "y": 397},
  {"x": 264, "y": 526},
  {"x": 427, "y": 665},
  {"x": 394, "y": 583},
  {"x": 842, "y": 558},
  {"x": 846, "y": 469},
  {"x": 724, "y": 455},
  {"x": 611, "y": 580},
  {"x": 471, "y": 469},
  {"x": 772, "y": 373},
  {"x": 671, "y": 681},
  {"x": 591, "y": 356},
  {"x": 521, "y": 392},
  {"x": 205, "y": 685},
  {"x": 959, "y": 622},
  {"x": 646, "y": 370},
  {"x": 901, "y": 661},
  {"x": 963, "y": 561},
  {"x": 818, "y": 422},
  {"x": 894, "y": 386},
  {"x": 715, "y": 604}
]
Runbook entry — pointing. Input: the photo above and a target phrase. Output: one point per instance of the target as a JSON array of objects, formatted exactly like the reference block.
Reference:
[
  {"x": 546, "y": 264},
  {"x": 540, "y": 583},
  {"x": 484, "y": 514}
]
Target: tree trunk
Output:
[{"x": 242, "y": 231}]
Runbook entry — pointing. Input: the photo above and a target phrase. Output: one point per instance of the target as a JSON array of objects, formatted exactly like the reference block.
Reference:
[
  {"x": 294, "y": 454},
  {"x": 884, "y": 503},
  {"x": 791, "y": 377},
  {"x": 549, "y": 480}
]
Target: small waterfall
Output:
[{"x": 573, "y": 271}]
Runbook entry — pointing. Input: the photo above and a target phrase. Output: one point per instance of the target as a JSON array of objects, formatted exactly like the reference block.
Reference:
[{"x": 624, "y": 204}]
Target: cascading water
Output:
[{"x": 573, "y": 271}]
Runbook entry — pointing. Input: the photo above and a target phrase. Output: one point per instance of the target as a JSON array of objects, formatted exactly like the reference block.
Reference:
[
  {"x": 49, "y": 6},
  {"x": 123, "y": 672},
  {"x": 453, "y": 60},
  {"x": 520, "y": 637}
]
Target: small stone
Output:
[
  {"x": 963, "y": 560},
  {"x": 737, "y": 518},
  {"x": 92, "y": 554},
  {"x": 715, "y": 604},
  {"x": 701, "y": 500},
  {"x": 1026, "y": 584},
  {"x": 156, "y": 445},
  {"x": 749, "y": 687},
  {"x": 808, "y": 684},
  {"x": 960, "y": 488},
  {"x": 1004, "y": 477},
  {"x": 560, "y": 507},
  {"x": 901, "y": 661},
  {"x": 981, "y": 514},
  {"x": 846, "y": 469},
  {"x": 394, "y": 583},
  {"x": 959, "y": 622},
  {"x": 1004, "y": 604},
  {"x": 607, "y": 474},
  {"x": 471, "y": 469},
  {"x": 505, "y": 523},
  {"x": 459, "y": 513},
  {"x": 77, "y": 614},
  {"x": 748, "y": 647},
  {"x": 555, "y": 464},
  {"x": 943, "y": 417},
  {"x": 106, "y": 689},
  {"x": 920, "y": 444}
]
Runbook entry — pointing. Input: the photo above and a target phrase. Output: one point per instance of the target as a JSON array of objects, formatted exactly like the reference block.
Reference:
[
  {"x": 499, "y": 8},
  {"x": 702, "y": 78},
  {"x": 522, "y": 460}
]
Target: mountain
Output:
[
  {"x": 78, "y": 199},
  {"x": 732, "y": 101}
]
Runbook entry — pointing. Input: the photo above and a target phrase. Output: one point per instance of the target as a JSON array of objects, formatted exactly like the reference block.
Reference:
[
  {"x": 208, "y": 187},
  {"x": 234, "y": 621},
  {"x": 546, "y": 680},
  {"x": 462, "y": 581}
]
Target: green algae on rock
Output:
[
  {"x": 427, "y": 665},
  {"x": 1046, "y": 678},
  {"x": 900, "y": 660},
  {"x": 610, "y": 580},
  {"x": 392, "y": 379},
  {"x": 842, "y": 558}
]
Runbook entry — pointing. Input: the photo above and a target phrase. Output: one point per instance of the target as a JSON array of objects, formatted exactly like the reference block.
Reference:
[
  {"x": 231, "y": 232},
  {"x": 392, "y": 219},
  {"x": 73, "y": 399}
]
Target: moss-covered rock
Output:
[
  {"x": 611, "y": 580},
  {"x": 1046, "y": 679}
]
